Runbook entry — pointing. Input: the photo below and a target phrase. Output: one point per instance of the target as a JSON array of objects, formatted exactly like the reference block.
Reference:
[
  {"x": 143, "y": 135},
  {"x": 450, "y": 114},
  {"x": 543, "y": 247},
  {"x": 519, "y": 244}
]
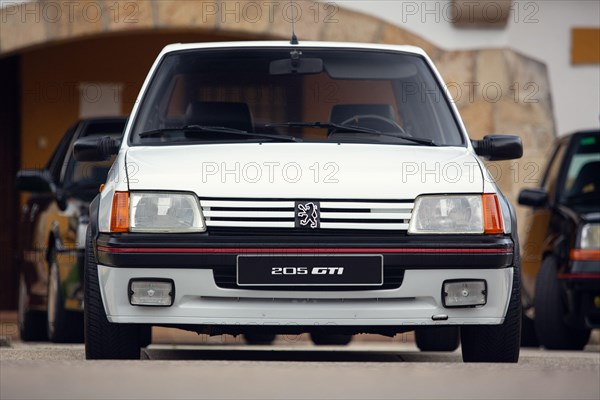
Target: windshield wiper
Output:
[
  {"x": 199, "y": 129},
  {"x": 352, "y": 128},
  {"x": 325, "y": 125},
  {"x": 427, "y": 142}
]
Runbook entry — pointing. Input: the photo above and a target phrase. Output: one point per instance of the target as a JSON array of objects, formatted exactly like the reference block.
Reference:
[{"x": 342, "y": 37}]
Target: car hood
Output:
[{"x": 304, "y": 170}]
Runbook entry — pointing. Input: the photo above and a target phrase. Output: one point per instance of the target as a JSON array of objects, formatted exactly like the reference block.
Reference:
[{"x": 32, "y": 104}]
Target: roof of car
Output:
[
  {"x": 582, "y": 132},
  {"x": 108, "y": 118},
  {"x": 281, "y": 43},
  {"x": 586, "y": 132}
]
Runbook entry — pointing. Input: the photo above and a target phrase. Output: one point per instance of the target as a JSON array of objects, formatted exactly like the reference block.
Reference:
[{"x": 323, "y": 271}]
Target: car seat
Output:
[
  {"x": 229, "y": 115},
  {"x": 588, "y": 175}
]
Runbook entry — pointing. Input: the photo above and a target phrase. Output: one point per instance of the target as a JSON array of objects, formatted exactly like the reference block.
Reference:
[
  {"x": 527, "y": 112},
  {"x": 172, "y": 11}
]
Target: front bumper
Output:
[
  {"x": 196, "y": 264},
  {"x": 199, "y": 301}
]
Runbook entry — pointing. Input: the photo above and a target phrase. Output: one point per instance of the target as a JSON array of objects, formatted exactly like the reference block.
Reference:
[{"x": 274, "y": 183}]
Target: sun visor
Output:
[{"x": 340, "y": 68}]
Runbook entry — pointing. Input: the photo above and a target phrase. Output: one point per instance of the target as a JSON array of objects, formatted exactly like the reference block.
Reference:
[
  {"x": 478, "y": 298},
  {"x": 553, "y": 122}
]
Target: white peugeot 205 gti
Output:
[{"x": 266, "y": 188}]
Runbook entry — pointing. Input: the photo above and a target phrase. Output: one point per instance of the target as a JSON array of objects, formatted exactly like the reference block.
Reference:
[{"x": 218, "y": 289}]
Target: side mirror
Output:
[
  {"x": 35, "y": 180},
  {"x": 93, "y": 148},
  {"x": 499, "y": 147},
  {"x": 533, "y": 197}
]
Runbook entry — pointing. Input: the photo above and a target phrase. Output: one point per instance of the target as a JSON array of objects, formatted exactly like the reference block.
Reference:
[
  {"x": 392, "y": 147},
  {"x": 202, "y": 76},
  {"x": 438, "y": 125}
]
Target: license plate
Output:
[{"x": 309, "y": 270}]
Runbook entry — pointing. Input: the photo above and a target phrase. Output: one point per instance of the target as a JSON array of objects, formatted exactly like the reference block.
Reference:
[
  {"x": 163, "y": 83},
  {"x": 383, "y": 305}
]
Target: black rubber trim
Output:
[
  {"x": 421, "y": 259},
  {"x": 93, "y": 226},
  {"x": 204, "y": 240}
]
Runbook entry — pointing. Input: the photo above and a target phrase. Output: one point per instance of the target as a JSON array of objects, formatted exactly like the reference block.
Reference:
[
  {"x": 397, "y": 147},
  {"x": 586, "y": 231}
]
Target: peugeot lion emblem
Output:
[{"x": 307, "y": 215}]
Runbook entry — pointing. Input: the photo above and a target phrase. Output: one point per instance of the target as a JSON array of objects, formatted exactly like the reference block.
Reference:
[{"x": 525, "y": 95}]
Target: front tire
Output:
[
  {"x": 32, "y": 323},
  {"x": 528, "y": 335},
  {"x": 550, "y": 311},
  {"x": 496, "y": 343},
  {"x": 63, "y": 326},
  {"x": 438, "y": 338},
  {"x": 105, "y": 340}
]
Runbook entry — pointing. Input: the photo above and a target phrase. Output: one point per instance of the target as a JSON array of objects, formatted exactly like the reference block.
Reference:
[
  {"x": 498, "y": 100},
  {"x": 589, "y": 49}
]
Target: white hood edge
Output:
[{"x": 304, "y": 170}]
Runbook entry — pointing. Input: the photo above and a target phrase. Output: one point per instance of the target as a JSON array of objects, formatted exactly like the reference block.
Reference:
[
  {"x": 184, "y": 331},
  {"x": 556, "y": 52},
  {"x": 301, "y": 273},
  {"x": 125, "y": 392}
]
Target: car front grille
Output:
[{"x": 387, "y": 215}]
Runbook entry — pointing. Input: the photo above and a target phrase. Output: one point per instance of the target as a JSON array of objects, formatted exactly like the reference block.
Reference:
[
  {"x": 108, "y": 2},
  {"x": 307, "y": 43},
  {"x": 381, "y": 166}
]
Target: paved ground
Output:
[{"x": 294, "y": 369}]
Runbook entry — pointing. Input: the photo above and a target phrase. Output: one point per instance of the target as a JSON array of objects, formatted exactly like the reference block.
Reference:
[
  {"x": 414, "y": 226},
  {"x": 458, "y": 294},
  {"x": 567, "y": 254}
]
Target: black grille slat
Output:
[
  {"x": 365, "y": 221},
  {"x": 270, "y": 219},
  {"x": 347, "y": 210},
  {"x": 252, "y": 209},
  {"x": 237, "y": 231}
]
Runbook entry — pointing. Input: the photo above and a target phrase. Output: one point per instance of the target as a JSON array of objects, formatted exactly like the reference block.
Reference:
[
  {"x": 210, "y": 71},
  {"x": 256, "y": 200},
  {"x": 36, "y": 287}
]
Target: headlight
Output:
[
  {"x": 590, "y": 237},
  {"x": 165, "y": 212},
  {"x": 456, "y": 214}
]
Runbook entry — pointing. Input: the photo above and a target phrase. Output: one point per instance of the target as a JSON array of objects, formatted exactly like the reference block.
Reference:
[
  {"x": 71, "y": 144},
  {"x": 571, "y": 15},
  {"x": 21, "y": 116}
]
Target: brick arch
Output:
[{"x": 40, "y": 23}]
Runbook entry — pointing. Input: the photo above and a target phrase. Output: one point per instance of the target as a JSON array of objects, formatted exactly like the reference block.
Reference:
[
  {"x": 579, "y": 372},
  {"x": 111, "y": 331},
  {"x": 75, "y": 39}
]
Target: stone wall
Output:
[{"x": 501, "y": 91}]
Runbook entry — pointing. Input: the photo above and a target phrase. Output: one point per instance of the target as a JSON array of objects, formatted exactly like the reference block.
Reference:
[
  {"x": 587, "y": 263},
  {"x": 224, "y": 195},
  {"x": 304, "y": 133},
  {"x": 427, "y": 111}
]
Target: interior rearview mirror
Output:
[{"x": 288, "y": 66}]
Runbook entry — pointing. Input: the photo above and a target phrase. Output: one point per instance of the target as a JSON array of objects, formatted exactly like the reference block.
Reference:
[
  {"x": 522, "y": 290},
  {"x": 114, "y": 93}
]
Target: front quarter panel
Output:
[{"x": 116, "y": 181}]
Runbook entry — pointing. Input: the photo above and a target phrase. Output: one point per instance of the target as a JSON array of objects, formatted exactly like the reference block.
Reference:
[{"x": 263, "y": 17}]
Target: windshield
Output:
[
  {"x": 581, "y": 183},
  {"x": 299, "y": 94}
]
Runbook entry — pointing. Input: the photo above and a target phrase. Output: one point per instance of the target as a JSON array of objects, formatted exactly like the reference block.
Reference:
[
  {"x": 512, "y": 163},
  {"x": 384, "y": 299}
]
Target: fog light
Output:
[
  {"x": 464, "y": 293},
  {"x": 151, "y": 292}
]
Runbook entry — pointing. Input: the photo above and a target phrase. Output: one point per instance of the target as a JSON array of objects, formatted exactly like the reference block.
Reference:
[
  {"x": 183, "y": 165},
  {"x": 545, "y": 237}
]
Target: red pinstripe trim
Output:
[
  {"x": 579, "y": 276},
  {"x": 299, "y": 250}
]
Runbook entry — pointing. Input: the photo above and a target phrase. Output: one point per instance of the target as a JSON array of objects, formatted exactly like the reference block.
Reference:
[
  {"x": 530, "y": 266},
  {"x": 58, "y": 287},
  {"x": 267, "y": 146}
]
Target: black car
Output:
[
  {"x": 53, "y": 223},
  {"x": 561, "y": 260}
]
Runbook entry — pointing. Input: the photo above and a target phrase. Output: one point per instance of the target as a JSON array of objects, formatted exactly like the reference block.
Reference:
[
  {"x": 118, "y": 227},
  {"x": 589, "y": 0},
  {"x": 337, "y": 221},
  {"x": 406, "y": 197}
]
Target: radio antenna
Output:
[{"x": 294, "y": 37}]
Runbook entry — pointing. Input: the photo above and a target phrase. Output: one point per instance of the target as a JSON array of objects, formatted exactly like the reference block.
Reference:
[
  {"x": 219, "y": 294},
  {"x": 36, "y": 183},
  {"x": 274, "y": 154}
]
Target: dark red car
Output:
[{"x": 561, "y": 261}]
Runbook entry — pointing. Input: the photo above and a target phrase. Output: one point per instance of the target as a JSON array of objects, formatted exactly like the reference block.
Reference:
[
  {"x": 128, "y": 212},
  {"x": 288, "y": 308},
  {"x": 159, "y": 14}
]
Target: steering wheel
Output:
[{"x": 376, "y": 122}]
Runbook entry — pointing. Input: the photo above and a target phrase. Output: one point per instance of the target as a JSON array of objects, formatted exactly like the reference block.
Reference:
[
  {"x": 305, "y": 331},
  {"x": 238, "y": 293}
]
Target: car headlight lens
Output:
[
  {"x": 590, "y": 237},
  {"x": 165, "y": 212},
  {"x": 467, "y": 214}
]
